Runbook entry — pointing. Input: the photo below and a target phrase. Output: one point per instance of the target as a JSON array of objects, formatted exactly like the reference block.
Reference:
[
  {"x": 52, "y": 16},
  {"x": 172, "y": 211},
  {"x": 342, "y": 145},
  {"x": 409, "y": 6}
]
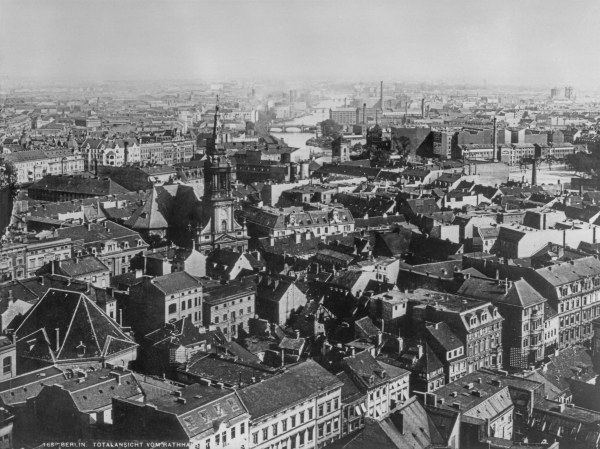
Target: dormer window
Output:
[{"x": 80, "y": 349}]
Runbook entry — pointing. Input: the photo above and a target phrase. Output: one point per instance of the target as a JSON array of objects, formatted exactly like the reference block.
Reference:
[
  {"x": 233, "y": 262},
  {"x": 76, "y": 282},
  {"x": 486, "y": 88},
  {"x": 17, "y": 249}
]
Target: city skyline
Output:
[{"x": 465, "y": 41}]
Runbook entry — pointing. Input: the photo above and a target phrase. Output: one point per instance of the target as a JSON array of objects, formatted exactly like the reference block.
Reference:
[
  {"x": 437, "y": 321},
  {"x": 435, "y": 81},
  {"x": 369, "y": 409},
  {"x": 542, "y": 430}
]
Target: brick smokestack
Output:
[
  {"x": 381, "y": 95},
  {"x": 494, "y": 141}
]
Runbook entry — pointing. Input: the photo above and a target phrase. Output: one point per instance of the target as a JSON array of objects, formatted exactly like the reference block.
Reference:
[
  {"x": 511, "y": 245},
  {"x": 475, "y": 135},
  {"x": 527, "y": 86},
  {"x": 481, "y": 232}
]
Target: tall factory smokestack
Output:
[
  {"x": 381, "y": 95},
  {"x": 494, "y": 142},
  {"x": 290, "y": 104},
  {"x": 423, "y": 107},
  {"x": 534, "y": 172},
  {"x": 364, "y": 114}
]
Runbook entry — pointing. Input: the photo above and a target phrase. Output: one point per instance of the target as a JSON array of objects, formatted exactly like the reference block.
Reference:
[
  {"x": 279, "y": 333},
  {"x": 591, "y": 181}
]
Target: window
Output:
[
  {"x": 329, "y": 403},
  {"x": 7, "y": 365},
  {"x": 224, "y": 437},
  {"x": 310, "y": 413},
  {"x": 302, "y": 417},
  {"x": 293, "y": 421},
  {"x": 217, "y": 439},
  {"x": 265, "y": 434},
  {"x": 249, "y": 309},
  {"x": 310, "y": 433},
  {"x": 275, "y": 429},
  {"x": 182, "y": 305},
  {"x": 255, "y": 437},
  {"x": 284, "y": 425},
  {"x": 335, "y": 404},
  {"x": 172, "y": 308},
  {"x": 207, "y": 444},
  {"x": 243, "y": 428},
  {"x": 321, "y": 409},
  {"x": 321, "y": 427},
  {"x": 233, "y": 433}
]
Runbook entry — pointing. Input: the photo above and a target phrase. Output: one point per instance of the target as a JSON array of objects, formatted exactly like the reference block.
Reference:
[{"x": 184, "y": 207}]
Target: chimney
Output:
[
  {"x": 381, "y": 95},
  {"x": 494, "y": 142},
  {"x": 116, "y": 376},
  {"x": 364, "y": 113},
  {"x": 420, "y": 349},
  {"x": 297, "y": 334},
  {"x": 398, "y": 420},
  {"x": 431, "y": 399},
  {"x": 271, "y": 241},
  {"x": 10, "y": 297},
  {"x": 534, "y": 172},
  {"x": 282, "y": 358},
  {"x": 423, "y": 107}
]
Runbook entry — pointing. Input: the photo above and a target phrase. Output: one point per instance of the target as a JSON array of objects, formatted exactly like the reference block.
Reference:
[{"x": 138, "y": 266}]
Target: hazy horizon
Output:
[{"x": 464, "y": 41}]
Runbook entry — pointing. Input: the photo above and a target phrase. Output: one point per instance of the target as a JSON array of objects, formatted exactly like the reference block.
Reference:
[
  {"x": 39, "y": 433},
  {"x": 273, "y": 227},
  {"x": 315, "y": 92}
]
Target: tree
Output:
[
  {"x": 330, "y": 128},
  {"x": 580, "y": 162}
]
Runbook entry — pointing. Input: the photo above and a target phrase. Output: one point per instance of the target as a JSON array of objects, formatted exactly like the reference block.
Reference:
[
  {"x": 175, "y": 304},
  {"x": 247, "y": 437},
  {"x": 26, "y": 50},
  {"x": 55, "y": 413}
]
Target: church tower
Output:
[{"x": 219, "y": 227}]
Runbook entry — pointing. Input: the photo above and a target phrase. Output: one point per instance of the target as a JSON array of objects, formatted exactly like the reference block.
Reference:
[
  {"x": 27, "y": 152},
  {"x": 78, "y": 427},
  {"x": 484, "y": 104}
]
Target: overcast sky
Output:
[{"x": 506, "y": 41}]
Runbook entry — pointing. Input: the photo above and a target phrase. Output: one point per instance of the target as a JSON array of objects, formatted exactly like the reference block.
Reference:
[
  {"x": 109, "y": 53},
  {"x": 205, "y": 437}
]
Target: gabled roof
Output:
[
  {"x": 519, "y": 293},
  {"x": 367, "y": 372},
  {"x": 175, "y": 282},
  {"x": 567, "y": 272},
  {"x": 63, "y": 325},
  {"x": 81, "y": 266},
  {"x": 442, "y": 333},
  {"x": 179, "y": 333},
  {"x": 300, "y": 383},
  {"x": 79, "y": 184}
]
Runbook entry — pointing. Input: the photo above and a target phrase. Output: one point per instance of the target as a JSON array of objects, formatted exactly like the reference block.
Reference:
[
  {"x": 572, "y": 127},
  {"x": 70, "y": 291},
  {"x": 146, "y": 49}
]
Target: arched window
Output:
[{"x": 224, "y": 226}]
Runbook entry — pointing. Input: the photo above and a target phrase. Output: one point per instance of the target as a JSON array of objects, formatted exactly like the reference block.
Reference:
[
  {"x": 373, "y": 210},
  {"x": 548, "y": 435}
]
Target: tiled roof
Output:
[
  {"x": 79, "y": 184},
  {"x": 203, "y": 407},
  {"x": 97, "y": 232},
  {"x": 71, "y": 322},
  {"x": 481, "y": 400},
  {"x": 442, "y": 333},
  {"x": 299, "y": 383},
  {"x": 366, "y": 371},
  {"x": 519, "y": 293},
  {"x": 227, "y": 370},
  {"x": 350, "y": 391},
  {"x": 175, "y": 282},
  {"x": 17, "y": 389},
  {"x": 567, "y": 272},
  {"x": 81, "y": 266}
]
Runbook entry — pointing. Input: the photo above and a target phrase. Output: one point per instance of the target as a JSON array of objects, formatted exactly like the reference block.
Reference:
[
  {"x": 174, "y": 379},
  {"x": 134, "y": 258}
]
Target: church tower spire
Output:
[{"x": 219, "y": 226}]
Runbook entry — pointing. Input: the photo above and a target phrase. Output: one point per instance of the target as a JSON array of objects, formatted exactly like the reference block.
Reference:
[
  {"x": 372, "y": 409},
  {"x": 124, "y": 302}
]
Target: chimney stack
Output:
[
  {"x": 494, "y": 142},
  {"x": 381, "y": 95}
]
